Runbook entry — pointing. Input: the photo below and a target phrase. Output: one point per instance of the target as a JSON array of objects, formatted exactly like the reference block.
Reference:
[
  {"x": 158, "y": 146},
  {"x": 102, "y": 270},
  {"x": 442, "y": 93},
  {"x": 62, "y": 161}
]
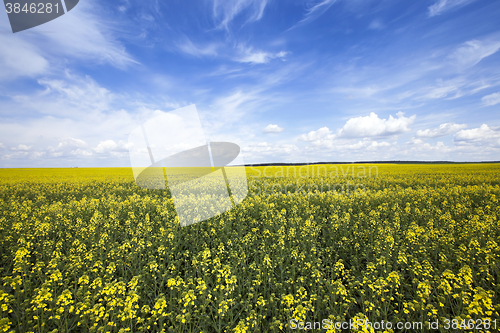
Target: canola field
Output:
[{"x": 87, "y": 250}]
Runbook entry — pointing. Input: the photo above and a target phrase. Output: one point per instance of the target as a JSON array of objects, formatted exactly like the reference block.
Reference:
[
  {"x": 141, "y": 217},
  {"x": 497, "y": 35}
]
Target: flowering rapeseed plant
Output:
[{"x": 86, "y": 250}]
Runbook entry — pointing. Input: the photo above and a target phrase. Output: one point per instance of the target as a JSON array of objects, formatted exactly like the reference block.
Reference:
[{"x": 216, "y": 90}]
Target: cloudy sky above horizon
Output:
[{"x": 289, "y": 81}]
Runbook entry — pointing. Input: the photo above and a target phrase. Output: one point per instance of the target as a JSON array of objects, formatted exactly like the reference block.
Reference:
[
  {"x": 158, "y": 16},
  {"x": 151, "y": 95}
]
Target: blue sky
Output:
[{"x": 289, "y": 81}]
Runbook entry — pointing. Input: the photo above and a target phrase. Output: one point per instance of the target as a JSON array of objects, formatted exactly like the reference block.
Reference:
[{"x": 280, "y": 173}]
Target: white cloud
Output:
[
  {"x": 320, "y": 134},
  {"x": 70, "y": 97},
  {"x": 249, "y": 55},
  {"x": 376, "y": 144},
  {"x": 417, "y": 149},
  {"x": 18, "y": 154},
  {"x": 110, "y": 146},
  {"x": 273, "y": 129},
  {"x": 365, "y": 144},
  {"x": 376, "y": 25},
  {"x": 442, "y": 6},
  {"x": 79, "y": 148},
  {"x": 68, "y": 146},
  {"x": 225, "y": 11},
  {"x": 81, "y": 152},
  {"x": 70, "y": 150},
  {"x": 20, "y": 58},
  {"x": 442, "y": 130},
  {"x": 372, "y": 125},
  {"x": 416, "y": 141},
  {"x": 84, "y": 35},
  {"x": 491, "y": 99},
  {"x": 72, "y": 143},
  {"x": 232, "y": 104},
  {"x": 105, "y": 146},
  {"x": 345, "y": 141},
  {"x": 71, "y": 115},
  {"x": 472, "y": 52},
  {"x": 327, "y": 143},
  {"x": 473, "y": 134},
  {"x": 38, "y": 154},
  {"x": 21, "y": 148},
  {"x": 230, "y": 109},
  {"x": 80, "y": 34},
  {"x": 443, "y": 89},
  {"x": 481, "y": 136},
  {"x": 315, "y": 10},
  {"x": 359, "y": 91},
  {"x": 189, "y": 48},
  {"x": 83, "y": 93},
  {"x": 449, "y": 89},
  {"x": 268, "y": 152}
]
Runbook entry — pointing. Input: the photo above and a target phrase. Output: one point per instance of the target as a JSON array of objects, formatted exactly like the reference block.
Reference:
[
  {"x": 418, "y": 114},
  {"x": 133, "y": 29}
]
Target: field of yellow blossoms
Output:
[{"x": 87, "y": 250}]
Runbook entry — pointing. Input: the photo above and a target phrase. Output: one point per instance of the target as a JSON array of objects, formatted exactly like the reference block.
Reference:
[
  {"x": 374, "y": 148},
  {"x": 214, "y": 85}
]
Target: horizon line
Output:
[{"x": 277, "y": 164}]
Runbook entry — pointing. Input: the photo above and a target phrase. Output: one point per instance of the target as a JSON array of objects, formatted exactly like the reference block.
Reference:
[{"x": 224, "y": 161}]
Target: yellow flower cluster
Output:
[{"x": 86, "y": 250}]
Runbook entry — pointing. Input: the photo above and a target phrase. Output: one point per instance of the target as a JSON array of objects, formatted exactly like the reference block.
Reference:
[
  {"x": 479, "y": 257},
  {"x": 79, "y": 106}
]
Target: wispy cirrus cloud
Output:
[
  {"x": 71, "y": 95},
  {"x": 73, "y": 117},
  {"x": 240, "y": 53},
  {"x": 86, "y": 36},
  {"x": 82, "y": 35},
  {"x": 231, "y": 108},
  {"x": 472, "y": 52},
  {"x": 232, "y": 59},
  {"x": 442, "y": 6},
  {"x": 376, "y": 25},
  {"x": 187, "y": 46},
  {"x": 250, "y": 55},
  {"x": 492, "y": 99},
  {"x": 315, "y": 10},
  {"x": 451, "y": 89},
  {"x": 226, "y": 11},
  {"x": 20, "y": 59},
  {"x": 443, "y": 89}
]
